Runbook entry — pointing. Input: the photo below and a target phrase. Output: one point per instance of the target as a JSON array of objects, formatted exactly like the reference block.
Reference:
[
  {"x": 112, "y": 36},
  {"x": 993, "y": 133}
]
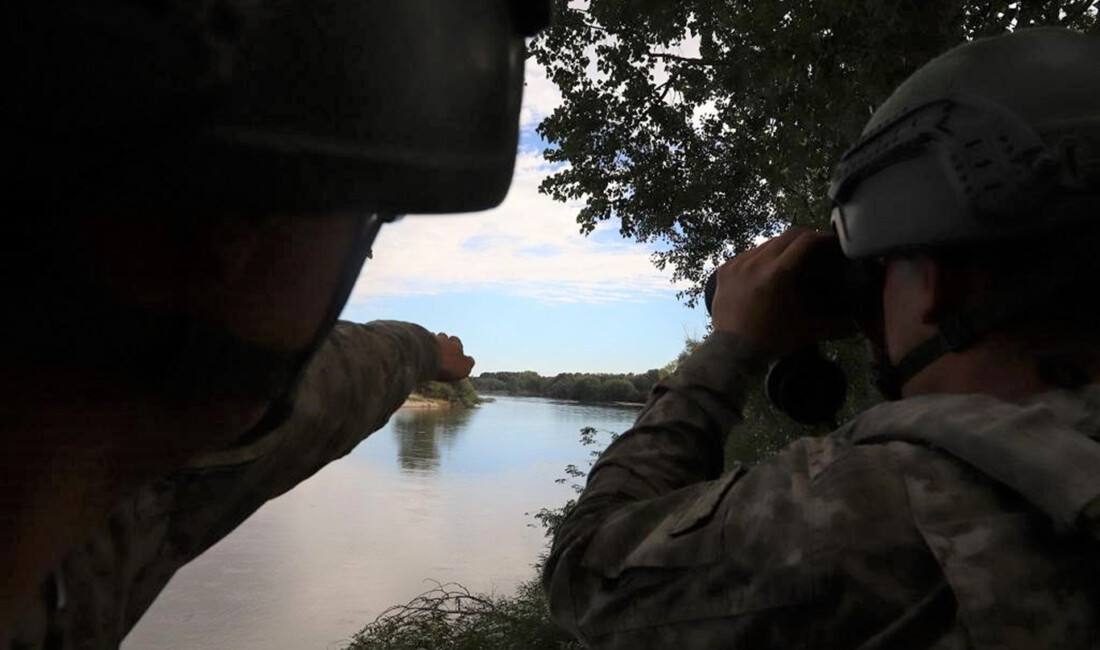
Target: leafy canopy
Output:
[{"x": 704, "y": 124}]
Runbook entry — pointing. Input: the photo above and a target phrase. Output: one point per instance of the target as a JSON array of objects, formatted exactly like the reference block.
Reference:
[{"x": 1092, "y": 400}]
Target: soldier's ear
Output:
[
  {"x": 954, "y": 284},
  {"x": 914, "y": 289},
  {"x": 939, "y": 288}
]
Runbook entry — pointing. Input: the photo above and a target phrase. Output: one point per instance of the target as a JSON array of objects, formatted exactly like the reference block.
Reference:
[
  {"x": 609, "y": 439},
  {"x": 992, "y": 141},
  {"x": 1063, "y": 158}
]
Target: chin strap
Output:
[{"x": 1016, "y": 297}]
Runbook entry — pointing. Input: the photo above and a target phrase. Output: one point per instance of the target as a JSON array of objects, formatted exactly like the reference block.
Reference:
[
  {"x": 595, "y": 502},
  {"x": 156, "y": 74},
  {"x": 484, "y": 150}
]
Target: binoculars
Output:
[{"x": 806, "y": 385}]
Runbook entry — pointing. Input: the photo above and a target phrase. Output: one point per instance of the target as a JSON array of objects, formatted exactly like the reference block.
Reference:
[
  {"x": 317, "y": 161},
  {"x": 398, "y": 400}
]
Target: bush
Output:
[
  {"x": 449, "y": 617},
  {"x": 461, "y": 393}
]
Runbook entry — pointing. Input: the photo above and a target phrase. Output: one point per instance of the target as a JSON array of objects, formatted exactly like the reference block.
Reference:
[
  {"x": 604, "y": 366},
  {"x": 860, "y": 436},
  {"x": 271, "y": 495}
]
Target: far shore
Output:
[
  {"x": 416, "y": 401},
  {"x": 560, "y": 400},
  {"x": 420, "y": 402}
]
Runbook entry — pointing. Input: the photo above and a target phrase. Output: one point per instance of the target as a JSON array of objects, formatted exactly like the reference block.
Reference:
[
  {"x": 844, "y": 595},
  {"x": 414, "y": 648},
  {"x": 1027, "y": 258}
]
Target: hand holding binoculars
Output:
[{"x": 806, "y": 385}]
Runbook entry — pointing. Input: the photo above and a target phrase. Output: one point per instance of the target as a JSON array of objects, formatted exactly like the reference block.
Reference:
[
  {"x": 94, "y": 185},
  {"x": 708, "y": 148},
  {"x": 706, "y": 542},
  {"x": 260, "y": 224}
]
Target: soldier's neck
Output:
[{"x": 996, "y": 367}]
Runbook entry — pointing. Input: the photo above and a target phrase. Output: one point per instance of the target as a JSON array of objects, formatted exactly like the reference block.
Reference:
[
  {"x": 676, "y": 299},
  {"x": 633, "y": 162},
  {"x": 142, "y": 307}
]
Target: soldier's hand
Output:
[
  {"x": 454, "y": 365},
  {"x": 759, "y": 298}
]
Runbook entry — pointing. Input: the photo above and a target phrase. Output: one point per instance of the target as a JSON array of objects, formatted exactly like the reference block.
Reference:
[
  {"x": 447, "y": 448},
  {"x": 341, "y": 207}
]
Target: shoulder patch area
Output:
[
  {"x": 700, "y": 512},
  {"x": 823, "y": 452}
]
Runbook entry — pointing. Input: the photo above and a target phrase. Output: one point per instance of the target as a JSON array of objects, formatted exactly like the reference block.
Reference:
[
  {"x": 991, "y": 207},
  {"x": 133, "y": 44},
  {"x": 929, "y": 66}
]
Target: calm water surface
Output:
[{"x": 440, "y": 495}]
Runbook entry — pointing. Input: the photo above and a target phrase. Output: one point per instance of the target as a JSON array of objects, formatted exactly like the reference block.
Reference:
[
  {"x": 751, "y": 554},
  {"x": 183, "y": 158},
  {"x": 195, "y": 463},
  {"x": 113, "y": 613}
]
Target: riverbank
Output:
[
  {"x": 418, "y": 401},
  {"x": 421, "y": 402},
  {"x": 441, "y": 494},
  {"x": 559, "y": 400}
]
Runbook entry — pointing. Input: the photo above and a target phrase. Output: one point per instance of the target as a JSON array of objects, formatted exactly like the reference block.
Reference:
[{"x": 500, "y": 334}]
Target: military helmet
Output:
[
  {"x": 269, "y": 106},
  {"x": 186, "y": 175},
  {"x": 996, "y": 139},
  {"x": 995, "y": 142}
]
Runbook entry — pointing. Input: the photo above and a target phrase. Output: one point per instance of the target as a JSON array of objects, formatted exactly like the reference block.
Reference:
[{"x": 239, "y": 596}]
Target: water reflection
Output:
[
  {"x": 443, "y": 495},
  {"x": 421, "y": 432}
]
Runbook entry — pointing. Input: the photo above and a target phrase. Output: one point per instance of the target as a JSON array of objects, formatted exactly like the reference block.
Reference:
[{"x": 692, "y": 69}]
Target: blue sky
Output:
[{"x": 521, "y": 286}]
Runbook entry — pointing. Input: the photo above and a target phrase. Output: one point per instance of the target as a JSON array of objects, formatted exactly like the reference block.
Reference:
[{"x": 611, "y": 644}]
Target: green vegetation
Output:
[
  {"x": 582, "y": 387},
  {"x": 449, "y": 617},
  {"x": 462, "y": 393},
  {"x": 702, "y": 125}
]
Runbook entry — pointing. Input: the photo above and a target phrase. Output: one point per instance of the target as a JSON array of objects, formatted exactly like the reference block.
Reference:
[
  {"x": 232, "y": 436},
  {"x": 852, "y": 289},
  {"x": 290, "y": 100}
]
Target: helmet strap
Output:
[{"x": 1020, "y": 294}]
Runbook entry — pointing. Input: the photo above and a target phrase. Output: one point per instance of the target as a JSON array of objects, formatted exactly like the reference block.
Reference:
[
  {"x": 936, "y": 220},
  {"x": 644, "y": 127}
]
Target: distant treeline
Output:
[{"x": 583, "y": 387}]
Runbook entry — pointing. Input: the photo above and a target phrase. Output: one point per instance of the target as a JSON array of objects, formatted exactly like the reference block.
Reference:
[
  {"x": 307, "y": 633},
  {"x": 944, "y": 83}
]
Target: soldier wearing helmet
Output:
[
  {"x": 962, "y": 513},
  {"x": 194, "y": 186}
]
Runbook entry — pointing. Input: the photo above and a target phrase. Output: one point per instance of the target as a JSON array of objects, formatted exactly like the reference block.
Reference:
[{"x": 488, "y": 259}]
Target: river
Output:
[{"x": 433, "y": 495}]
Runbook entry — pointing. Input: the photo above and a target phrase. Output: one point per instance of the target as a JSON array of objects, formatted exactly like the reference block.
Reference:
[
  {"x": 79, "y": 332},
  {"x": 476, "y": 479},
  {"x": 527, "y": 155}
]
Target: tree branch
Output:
[
  {"x": 595, "y": 28},
  {"x": 665, "y": 56}
]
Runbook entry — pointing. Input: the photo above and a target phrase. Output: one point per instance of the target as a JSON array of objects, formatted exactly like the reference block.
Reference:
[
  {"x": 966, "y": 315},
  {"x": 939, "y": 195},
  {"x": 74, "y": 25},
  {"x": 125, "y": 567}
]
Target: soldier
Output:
[
  {"x": 964, "y": 513},
  {"x": 193, "y": 188}
]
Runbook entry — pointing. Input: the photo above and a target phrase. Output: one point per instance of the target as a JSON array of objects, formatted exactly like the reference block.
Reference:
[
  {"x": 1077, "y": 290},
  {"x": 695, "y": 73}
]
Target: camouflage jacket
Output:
[
  {"x": 943, "y": 521},
  {"x": 358, "y": 378}
]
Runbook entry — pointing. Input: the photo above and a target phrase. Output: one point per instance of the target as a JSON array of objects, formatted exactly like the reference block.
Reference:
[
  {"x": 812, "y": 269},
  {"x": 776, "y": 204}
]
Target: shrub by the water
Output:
[
  {"x": 449, "y": 617},
  {"x": 460, "y": 393}
]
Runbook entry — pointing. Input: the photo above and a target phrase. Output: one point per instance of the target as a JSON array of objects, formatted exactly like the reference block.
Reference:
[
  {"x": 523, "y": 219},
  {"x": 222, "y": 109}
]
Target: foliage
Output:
[
  {"x": 690, "y": 344},
  {"x": 764, "y": 431},
  {"x": 617, "y": 389},
  {"x": 582, "y": 387},
  {"x": 704, "y": 124},
  {"x": 461, "y": 393},
  {"x": 551, "y": 518},
  {"x": 645, "y": 382},
  {"x": 449, "y": 617},
  {"x": 491, "y": 385}
]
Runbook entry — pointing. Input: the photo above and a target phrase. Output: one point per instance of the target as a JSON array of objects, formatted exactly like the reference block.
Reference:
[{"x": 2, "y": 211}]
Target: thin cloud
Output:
[{"x": 528, "y": 247}]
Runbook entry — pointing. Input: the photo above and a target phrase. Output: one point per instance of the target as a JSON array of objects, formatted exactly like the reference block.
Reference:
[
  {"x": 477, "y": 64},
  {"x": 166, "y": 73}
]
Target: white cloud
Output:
[
  {"x": 529, "y": 247},
  {"x": 540, "y": 96}
]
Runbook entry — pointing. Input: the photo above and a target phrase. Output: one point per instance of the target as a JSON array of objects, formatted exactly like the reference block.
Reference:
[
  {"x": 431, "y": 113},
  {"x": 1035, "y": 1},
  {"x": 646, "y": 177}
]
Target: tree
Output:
[
  {"x": 529, "y": 383},
  {"x": 643, "y": 383},
  {"x": 586, "y": 389},
  {"x": 561, "y": 387},
  {"x": 704, "y": 124},
  {"x": 690, "y": 344},
  {"x": 490, "y": 384},
  {"x": 616, "y": 389}
]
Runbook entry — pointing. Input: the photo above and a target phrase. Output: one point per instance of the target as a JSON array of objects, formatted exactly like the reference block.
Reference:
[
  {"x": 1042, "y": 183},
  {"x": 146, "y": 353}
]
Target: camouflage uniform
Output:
[
  {"x": 942, "y": 521},
  {"x": 358, "y": 378}
]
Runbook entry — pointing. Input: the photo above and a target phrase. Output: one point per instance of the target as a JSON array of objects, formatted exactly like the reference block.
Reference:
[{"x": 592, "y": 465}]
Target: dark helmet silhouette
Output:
[{"x": 998, "y": 138}]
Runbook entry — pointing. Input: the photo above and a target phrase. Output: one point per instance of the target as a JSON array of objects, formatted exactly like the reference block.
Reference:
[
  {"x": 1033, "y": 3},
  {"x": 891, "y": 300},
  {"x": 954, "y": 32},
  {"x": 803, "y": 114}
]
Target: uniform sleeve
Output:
[
  {"x": 813, "y": 547},
  {"x": 351, "y": 387},
  {"x": 355, "y": 382},
  {"x": 669, "y": 461}
]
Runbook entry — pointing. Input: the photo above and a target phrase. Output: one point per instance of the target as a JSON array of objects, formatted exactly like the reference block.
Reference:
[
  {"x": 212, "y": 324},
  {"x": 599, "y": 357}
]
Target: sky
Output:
[{"x": 520, "y": 285}]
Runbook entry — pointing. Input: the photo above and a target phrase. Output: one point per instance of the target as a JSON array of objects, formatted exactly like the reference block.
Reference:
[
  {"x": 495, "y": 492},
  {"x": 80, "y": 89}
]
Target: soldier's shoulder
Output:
[
  {"x": 840, "y": 456},
  {"x": 826, "y": 488}
]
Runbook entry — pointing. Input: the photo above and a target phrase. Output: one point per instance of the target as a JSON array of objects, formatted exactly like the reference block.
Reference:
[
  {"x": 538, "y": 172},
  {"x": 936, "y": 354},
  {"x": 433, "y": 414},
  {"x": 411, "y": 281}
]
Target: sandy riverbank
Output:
[{"x": 421, "y": 402}]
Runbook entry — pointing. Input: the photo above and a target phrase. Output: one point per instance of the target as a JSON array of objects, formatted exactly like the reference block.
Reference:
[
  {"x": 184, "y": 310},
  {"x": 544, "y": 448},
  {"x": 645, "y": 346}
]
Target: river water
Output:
[{"x": 433, "y": 495}]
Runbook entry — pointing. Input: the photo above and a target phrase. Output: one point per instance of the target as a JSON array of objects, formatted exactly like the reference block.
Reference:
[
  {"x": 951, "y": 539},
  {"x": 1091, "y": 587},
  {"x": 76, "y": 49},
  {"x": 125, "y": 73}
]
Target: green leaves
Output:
[{"x": 703, "y": 124}]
